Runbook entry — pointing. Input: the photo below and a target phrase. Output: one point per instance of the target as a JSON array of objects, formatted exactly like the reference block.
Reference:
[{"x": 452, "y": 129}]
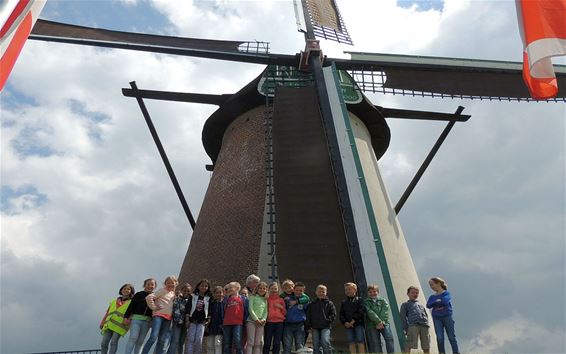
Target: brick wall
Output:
[{"x": 226, "y": 241}]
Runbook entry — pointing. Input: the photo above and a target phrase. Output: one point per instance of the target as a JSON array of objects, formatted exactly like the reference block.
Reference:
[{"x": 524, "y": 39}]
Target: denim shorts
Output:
[{"x": 355, "y": 335}]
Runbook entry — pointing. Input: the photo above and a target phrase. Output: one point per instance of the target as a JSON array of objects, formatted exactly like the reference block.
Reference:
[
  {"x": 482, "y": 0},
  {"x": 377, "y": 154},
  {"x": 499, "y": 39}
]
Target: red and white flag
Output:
[
  {"x": 17, "y": 18},
  {"x": 543, "y": 28}
]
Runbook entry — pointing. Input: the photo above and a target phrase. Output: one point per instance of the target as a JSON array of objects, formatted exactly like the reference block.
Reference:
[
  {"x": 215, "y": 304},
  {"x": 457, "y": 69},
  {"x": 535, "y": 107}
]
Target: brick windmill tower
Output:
[{"x": 296, "y": 190}]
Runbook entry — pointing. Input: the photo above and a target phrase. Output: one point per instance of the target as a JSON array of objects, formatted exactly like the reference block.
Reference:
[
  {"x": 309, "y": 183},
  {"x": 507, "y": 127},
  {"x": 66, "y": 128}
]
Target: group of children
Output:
[{"x": 260, "y": 317}]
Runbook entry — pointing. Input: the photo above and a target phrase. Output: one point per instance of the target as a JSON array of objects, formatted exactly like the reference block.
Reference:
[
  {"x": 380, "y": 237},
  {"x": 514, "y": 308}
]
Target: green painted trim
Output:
[
  {"x": 290, "y": 76},
  {"x": 372, "y": 220}
]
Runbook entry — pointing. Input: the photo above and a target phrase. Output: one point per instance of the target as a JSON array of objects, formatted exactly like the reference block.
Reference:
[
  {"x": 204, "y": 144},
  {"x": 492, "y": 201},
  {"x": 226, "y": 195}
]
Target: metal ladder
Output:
[{"x": 270, "y": 194}]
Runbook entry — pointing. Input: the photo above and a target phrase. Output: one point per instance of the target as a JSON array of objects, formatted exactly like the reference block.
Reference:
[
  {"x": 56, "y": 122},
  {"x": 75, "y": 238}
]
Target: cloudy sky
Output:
[{"x": 87, "y": 204}]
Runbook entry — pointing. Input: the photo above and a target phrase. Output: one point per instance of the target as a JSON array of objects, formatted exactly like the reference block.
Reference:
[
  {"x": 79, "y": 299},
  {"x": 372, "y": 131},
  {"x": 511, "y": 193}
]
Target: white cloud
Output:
[
  {"x": 398, "y": 164},
  {"x": 129, "y": 2},
  {"x": 504, "y": 335}
]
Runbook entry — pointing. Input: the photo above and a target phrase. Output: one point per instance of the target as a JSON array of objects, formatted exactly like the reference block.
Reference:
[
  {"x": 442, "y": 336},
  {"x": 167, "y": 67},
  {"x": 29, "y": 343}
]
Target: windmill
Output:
[{"x": 369, "y": 72}]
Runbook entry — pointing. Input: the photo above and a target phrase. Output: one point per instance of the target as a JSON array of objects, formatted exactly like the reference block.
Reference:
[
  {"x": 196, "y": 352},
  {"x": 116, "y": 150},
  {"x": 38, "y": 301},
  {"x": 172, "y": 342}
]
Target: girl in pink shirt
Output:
[
  {"x": 161, "y": 302},
  {"x": 275, "y": 319}
]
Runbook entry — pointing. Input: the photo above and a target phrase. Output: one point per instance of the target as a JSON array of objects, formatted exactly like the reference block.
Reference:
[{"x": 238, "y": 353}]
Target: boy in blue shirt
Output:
[
  {"x": 296, "y": 304},
  {"x": 415, "y": 322}
]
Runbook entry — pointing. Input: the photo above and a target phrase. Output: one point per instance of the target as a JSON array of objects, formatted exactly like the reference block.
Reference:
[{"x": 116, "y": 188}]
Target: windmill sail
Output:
[
  {"x": 64, "y": 30},
  {"x": 240, "y": 51},
  {"x": 443, "y": 77},
  {"x": 325, "y": 19}
]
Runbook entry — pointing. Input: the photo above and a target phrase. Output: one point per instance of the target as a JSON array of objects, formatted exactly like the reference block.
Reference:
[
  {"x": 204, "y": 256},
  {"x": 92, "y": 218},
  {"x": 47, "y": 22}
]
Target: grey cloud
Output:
[{"x": 48, "y": 302}]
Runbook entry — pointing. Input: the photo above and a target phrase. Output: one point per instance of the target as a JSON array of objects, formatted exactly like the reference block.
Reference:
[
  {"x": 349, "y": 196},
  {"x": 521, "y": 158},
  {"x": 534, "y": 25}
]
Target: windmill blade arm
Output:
[
  {"x": 443, "y": 77},
  {"x": 421, "y": 115},
  {"x": 177, "y": 96},
  {"x": 202, "y": 48},
  {"x": 64, "y": 30}
]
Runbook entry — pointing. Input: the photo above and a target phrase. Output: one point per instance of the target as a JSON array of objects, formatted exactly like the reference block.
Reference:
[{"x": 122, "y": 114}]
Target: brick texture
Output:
[{"x": 225, "y": 244}]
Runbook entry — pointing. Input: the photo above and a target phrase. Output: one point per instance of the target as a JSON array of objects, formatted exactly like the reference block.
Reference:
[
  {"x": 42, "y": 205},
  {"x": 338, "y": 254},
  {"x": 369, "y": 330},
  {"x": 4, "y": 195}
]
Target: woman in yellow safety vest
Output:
[{"x": 112, "y": 324}]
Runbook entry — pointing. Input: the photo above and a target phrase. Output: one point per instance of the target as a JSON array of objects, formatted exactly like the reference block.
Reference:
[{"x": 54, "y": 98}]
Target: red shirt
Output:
[
  {"x": 234, "y": 311},
  {"x": 274, "y": 313}
]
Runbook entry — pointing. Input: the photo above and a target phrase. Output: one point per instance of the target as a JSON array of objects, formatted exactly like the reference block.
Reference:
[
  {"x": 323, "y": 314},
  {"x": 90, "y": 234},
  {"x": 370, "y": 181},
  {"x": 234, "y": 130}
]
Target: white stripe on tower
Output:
[{"x": 376, "y": 223}]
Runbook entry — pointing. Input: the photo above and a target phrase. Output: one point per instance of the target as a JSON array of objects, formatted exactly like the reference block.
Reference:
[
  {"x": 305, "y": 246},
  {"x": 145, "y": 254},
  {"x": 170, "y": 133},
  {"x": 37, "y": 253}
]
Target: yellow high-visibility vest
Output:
[{"x": 115, "y": 319}]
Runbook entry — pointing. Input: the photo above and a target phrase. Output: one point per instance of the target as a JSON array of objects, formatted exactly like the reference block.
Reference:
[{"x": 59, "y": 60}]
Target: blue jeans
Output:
[
  {"x": 355, "y": 335},
  {"x": 178, "y": 335},
  {"x": 138, "y": 331},
  {"x": 159, "y": 333},
  {"x": 374, "y": 339},
  {"x": 194, "y": 338},
  {"x": 293, "y": 331},
  {"x": 232, "y": 333},
  {"x": 321, "y": 341},
  {"x": 273, "y": 332},
  {"x": 440, "y": 324},
  {"x": 109, "y": 337}
]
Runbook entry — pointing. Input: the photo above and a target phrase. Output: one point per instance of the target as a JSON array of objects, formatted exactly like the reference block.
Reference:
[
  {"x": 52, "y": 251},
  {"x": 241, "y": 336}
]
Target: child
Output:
[
  {"x": 352, "y": 317},
  {"x": 275, "y": 319},
  {"x": 377, "y": 321},
  {"x": 245, "y": 292},
  {"x": 441, "y": 307},
  {"x": 235, "y": 311},
  {"x": 257, "y": 309},
  {"x": 294, "y": 329},
  {"x": 112, "y": 325},
  {"x": 161, "y": 303},
  {"x": 288, "y": 287},
  {"x": 179, "y": 325},
  {"x": 198, "y": 316},
  {"x": 320, "y": 315},
  {"x": 138, "y": 316},
  {"x": 415, "y": 322},
  {"x": 216, "y": 313}
]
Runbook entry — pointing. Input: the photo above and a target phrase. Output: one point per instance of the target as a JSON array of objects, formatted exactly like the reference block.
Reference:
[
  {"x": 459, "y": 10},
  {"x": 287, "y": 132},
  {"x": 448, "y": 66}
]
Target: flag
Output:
[
  {"x": 18, "y": 18},
  {"x": 543, "y": 29}
]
